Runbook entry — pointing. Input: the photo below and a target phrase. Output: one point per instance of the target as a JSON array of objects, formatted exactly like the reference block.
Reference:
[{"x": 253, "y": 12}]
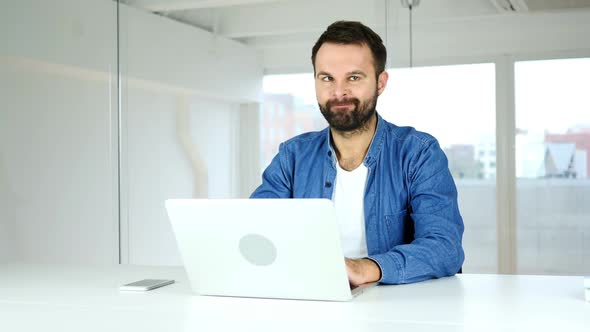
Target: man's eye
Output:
[
  {"x": 354, "y": 78},
  {"x": 326, "y": 78}
]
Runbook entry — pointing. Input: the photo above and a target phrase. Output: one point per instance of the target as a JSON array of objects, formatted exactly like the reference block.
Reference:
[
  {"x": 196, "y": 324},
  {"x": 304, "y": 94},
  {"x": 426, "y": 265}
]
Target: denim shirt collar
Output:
[{"x": 374, "y": 148}]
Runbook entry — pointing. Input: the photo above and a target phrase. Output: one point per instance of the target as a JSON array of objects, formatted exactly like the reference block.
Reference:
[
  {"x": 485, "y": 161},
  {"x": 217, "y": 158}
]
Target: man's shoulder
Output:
[{"x": 408, "y": 135}]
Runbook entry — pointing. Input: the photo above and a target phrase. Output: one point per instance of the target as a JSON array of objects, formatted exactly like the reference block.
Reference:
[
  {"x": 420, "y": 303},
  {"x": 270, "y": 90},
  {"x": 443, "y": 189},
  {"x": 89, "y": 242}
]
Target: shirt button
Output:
[{"x": 328, "y": 184}]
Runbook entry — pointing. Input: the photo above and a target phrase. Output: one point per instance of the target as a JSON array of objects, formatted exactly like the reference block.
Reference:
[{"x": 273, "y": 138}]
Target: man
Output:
[{"x": 395, "y": 199}]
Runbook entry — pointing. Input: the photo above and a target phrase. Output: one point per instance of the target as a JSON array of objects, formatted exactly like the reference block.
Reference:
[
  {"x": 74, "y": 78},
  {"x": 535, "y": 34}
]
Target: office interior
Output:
[{"x": 108, "y": 108}]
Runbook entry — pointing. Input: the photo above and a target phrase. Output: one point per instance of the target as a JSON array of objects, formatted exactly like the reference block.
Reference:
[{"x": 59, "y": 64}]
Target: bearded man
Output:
[{"x": 395, "y": 198}]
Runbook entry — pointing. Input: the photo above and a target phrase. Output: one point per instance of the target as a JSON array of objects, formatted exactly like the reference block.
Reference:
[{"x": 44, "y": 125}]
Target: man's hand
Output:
[{"x": 361, "y": 271}]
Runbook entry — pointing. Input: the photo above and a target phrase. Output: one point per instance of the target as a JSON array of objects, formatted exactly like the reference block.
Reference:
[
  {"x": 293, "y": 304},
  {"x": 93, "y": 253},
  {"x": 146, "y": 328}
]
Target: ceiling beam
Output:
[
  {"x": 177, "y": 5},
  {"x": 294, "y": 17}
]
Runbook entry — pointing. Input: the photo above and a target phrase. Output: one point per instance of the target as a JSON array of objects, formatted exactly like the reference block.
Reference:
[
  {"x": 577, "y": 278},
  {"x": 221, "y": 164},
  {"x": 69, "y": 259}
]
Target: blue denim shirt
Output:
[{"x": 412, "y": 221}]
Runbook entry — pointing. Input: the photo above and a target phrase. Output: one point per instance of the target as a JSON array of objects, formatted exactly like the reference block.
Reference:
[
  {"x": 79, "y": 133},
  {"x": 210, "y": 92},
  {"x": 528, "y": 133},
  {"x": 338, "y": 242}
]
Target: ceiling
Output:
[
  {"x": 245, "y": 20},
  {"x": 293, "y": 24}
]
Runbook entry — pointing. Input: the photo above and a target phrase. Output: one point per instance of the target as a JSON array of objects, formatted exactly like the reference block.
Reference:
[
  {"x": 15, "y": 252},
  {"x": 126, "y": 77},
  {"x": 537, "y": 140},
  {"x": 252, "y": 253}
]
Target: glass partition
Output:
[
  {"x": 58, "y": 141},
  {"x": 109, "y": 108},
  {"x": 183, "y": 104}
]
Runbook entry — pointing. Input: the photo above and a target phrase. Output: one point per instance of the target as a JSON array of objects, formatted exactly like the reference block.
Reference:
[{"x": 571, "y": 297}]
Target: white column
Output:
[
  {"x": 249, "y": 149},
  {"x": 505, "y": 163}
]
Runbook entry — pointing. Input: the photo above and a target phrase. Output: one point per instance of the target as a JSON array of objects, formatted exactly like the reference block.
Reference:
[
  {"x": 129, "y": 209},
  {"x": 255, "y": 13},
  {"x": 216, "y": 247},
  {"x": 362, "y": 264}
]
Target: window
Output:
[
  {"x": 456, "y": 104},
  {"x": 294, "y": 95},
  {"x": 553, "y": 166}
]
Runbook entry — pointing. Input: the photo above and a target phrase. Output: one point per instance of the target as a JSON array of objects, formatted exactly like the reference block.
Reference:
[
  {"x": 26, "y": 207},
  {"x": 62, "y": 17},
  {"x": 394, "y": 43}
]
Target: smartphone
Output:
[{"x": 146, "y": 284}]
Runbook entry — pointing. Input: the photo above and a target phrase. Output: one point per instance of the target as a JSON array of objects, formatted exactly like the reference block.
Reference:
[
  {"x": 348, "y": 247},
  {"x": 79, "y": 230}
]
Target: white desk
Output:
[{"x": 74, "y": 298}]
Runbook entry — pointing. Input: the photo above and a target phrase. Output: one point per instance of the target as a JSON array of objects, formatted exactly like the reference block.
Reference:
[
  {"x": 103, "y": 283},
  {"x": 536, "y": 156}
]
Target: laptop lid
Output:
[{"x": 269, "y": 248}]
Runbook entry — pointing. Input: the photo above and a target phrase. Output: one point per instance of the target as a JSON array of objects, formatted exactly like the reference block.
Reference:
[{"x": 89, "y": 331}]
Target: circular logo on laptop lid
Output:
[{"x": 258, "y": 250}]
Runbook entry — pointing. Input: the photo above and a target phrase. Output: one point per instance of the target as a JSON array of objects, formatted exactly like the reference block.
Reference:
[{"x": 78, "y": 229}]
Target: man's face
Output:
[{"x": 346, "y": 86}]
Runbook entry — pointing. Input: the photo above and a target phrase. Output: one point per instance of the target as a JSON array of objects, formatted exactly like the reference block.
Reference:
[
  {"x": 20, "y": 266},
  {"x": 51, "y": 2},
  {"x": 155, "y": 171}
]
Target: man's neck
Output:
[{"x": 352, "y": 146}]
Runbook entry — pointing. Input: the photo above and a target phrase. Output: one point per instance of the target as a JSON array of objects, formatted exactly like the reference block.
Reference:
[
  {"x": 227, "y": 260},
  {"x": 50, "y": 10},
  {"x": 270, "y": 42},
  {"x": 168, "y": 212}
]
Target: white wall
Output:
[{"x": 161, "y": 165}]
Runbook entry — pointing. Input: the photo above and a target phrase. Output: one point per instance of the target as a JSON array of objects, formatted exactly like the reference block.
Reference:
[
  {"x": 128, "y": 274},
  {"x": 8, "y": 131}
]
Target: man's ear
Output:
[{"x": 382, "y": 81}]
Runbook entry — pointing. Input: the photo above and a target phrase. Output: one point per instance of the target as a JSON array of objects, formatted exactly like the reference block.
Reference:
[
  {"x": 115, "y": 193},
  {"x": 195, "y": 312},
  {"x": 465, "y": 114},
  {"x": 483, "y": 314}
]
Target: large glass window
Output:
[
  {"x": 553, "y": 166},
  {"x": 289, "y": 108},
  {"x": 456, "y": 104}
]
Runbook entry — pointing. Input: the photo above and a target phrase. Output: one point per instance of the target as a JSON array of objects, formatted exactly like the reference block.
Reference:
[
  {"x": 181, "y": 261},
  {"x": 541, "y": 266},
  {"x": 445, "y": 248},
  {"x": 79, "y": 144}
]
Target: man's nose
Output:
[{"x": 341, "y": 90}]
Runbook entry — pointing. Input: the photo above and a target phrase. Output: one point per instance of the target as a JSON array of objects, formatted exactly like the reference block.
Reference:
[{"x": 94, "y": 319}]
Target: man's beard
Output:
[{"x": 348, "y": 121}]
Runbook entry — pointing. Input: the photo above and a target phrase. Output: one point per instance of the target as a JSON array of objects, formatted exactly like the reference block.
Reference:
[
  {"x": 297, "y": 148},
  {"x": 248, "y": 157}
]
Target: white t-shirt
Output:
[{"x": 348, "y": 198}]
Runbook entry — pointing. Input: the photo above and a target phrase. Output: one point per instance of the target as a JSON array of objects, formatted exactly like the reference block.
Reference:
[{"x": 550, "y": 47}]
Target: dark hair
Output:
[{"x": 350, "y": 32}]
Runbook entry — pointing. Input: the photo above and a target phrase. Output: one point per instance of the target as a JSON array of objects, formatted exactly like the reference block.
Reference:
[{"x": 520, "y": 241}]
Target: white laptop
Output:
[{"x": 269, "y": 248}]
